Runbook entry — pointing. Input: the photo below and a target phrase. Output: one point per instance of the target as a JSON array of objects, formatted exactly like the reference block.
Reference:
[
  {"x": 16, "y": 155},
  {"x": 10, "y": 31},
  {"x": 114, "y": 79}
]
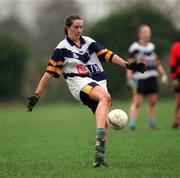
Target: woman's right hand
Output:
[{"x": 32, "y": 101}]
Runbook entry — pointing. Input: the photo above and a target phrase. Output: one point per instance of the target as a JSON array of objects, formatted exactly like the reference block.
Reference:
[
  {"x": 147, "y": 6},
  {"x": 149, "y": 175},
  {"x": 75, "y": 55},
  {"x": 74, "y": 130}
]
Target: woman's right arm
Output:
[
  {"x": 43, "y": 83},
  {"x": 53, "y": 70},
  {"x": 33, "y": 99},
  {"x": 129, "y": 75}
]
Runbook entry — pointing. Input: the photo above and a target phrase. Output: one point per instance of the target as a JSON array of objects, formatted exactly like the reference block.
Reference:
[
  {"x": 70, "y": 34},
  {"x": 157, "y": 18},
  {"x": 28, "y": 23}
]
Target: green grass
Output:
[{"x": 56, "y": 141}]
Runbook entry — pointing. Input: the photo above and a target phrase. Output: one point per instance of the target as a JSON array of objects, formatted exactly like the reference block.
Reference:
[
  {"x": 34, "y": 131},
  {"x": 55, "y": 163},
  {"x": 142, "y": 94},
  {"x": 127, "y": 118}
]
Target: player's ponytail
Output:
[{"x": 68, "y": 21}]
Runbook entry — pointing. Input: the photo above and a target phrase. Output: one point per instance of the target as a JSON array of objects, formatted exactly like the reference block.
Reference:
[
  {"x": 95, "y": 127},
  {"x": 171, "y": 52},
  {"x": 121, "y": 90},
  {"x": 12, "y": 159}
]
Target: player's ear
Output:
[{"x": 66, "y": 29}]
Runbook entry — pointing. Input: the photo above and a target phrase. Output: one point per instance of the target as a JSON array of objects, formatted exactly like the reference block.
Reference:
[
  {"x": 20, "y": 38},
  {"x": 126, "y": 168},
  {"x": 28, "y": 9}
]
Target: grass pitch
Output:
[{"x": 56, "y": 141}]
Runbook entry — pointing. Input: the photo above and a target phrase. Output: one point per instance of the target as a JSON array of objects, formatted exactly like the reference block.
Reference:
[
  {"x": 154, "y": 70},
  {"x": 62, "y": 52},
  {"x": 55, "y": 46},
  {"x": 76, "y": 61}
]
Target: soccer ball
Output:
[{"x": 117, "y": 119}]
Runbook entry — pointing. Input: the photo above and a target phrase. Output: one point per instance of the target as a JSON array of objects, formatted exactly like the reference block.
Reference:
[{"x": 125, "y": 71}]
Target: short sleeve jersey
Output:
[
  {"x": 72, "y": 60},
  {"x": 146, "y": 54}
]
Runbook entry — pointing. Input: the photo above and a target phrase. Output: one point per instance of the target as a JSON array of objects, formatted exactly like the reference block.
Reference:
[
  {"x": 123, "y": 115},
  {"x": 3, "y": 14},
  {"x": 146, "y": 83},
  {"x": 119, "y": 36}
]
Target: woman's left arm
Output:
[
  {"x": 119, "y": 61},
  {"x": 134, "y": 66}
]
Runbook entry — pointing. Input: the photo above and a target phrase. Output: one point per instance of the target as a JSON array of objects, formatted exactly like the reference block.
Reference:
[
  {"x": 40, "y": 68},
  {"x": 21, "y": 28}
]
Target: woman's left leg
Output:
[{"x": 152, "y": 99}]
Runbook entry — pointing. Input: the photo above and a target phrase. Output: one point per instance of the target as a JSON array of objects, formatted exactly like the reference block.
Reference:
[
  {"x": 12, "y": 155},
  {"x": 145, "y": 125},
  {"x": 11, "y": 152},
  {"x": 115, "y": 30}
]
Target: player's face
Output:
[
  {"x": 75, "y": 30},
  {"x": 145, "y": 34}
]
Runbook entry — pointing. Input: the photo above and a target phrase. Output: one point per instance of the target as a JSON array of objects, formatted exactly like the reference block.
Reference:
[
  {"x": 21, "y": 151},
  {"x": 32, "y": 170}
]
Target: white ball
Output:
[{"x": 117, "y": 119}]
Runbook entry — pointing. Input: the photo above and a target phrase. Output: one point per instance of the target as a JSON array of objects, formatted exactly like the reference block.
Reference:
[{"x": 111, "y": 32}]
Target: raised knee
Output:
[{"x": 106, "y": 98}]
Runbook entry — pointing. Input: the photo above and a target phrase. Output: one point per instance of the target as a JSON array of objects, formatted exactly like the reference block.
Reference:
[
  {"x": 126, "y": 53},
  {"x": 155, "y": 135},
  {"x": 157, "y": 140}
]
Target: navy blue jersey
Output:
[{"x": 72, "y": 60}]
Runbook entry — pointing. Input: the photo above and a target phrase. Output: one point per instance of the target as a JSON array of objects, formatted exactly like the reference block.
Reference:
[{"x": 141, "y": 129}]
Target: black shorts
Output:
[
  {"x": 148, "y": 86},
  {"x": 86, "y": 100}
]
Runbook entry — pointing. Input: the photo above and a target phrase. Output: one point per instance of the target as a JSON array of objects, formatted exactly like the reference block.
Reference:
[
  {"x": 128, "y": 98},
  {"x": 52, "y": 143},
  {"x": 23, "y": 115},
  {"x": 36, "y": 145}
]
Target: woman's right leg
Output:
[
  {"x": 137, "y": 100},
  {"x": 104, "y": 101}
]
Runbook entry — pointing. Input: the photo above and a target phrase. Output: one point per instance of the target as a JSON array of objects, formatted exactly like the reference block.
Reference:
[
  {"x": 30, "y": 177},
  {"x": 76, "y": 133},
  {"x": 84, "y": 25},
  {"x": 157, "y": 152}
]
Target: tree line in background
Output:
[
  {"x": 24, "y": 56},
  {"x": 120, "y": 30}
]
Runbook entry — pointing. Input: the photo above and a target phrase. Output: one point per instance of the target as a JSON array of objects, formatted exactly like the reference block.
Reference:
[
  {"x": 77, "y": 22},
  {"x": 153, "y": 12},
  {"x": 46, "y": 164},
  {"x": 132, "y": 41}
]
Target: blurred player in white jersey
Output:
[
  {"x": 145, "y": 84},
  {"x": 79, "y": 59}
]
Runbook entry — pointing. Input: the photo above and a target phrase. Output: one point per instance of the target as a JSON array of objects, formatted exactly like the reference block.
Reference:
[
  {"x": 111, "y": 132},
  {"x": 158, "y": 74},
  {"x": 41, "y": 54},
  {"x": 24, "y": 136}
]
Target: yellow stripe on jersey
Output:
[
  {"x": 54, "y": 69},
  {"x": 108, "y": 55},
  {"x": 87, "y": 89},
  {"x": 102, "y": 52},
  {"x": 55, "y": 63}
]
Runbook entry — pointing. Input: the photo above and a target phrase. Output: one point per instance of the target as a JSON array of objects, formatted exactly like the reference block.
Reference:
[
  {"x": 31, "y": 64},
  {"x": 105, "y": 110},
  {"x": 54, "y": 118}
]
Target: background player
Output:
[
  {"x": 144, "y": 84},
  {"x": 78, "y": 58},
  {"x": 175, "y": 76}
]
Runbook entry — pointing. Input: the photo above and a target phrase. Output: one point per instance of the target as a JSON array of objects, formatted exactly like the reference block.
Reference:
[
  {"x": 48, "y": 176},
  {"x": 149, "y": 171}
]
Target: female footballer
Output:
[
  {"x": 144, "y": 84},
  {"x": 79, "y": 59}
]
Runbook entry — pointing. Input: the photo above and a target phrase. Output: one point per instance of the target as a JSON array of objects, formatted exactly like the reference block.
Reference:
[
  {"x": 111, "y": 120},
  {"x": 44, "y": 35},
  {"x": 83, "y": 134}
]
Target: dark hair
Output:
[{"x": 68, "y": 21}]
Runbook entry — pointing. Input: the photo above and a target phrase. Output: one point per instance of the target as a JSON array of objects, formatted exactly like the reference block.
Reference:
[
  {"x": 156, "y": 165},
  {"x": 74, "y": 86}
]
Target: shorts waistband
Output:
[{"x": 98, "y": 76}]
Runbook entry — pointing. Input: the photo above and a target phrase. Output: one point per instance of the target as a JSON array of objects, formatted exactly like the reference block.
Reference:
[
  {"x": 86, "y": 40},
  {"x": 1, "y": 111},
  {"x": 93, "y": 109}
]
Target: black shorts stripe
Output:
[{"x": 86, "y": 100}]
